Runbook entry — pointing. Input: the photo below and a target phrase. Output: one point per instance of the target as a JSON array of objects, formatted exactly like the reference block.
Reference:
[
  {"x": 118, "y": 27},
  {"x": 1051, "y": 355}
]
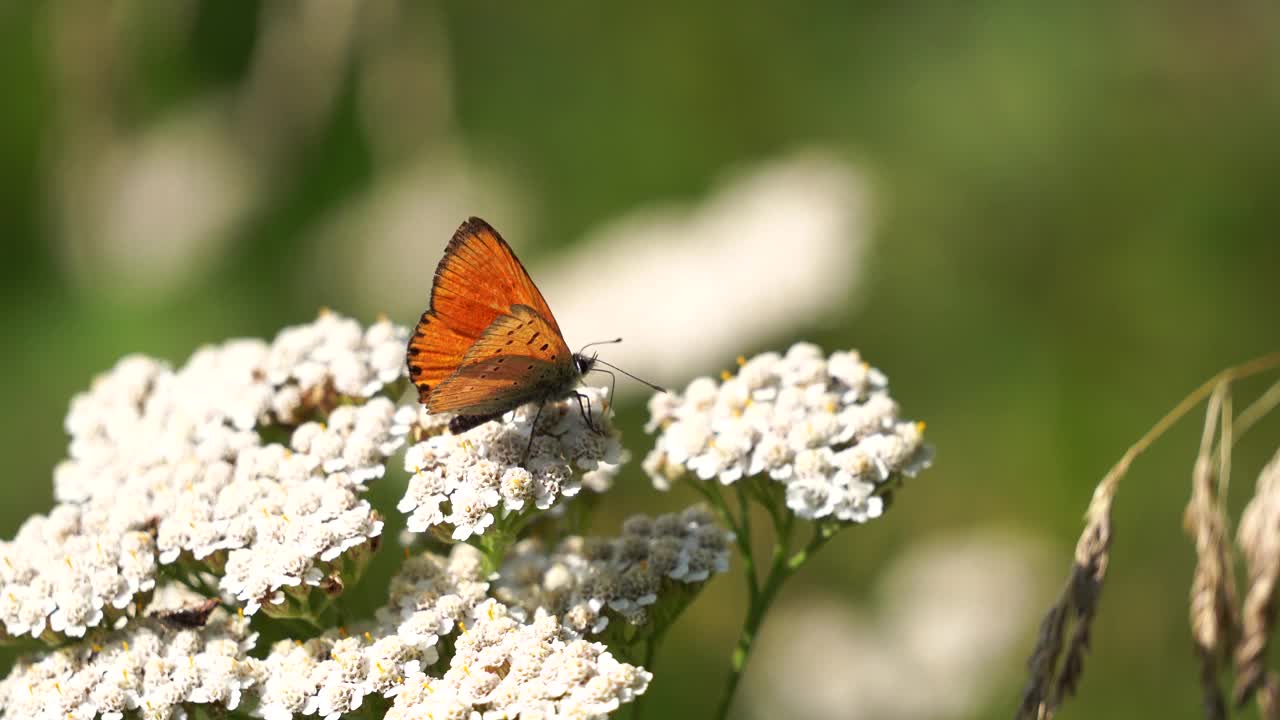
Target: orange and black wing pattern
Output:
[
  {"x": 478, "y": 282},
  {"x": 518, "y": 358}
]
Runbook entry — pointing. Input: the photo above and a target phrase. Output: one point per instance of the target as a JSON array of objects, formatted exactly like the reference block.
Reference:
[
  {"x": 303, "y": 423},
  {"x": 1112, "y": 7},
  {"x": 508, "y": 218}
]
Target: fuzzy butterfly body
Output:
[{"x": 488, "y": 342}]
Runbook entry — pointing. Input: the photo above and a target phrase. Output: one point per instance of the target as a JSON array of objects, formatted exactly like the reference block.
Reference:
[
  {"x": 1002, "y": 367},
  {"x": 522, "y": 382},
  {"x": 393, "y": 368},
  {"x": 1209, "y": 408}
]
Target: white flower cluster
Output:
[
  {"x": 824, "y": 427},
  {"x": 143, "y": 414},
  {"x": 587, "y": 581},
  {"x": 330, "y": 676},
  {"x": 168, "y": 465},
  {"x": 501, "y": 665},
  {"x": 148, "y": 670},
  {"x": 431, "y": 594},
  {"x": 464, "y": 481},
  {"x": 63, "y": 570},
  {"x": 505, "y": 668},
  {"x": 287, "y": 515}
]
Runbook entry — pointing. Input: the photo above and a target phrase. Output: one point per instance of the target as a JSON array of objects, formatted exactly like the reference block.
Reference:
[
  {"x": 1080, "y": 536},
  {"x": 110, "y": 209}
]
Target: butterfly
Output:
[{"x": 488, "y": 343}]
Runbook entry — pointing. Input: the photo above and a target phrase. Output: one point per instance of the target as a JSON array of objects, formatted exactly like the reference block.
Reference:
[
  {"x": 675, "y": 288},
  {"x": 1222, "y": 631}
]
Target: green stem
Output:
[
  {"x": 650, "y": 652},
  {"x": 821, "y": 534},
  {"x": 711, "y": 491},
  {"x": 717, "y": 503},
  {"x": 496, "y": 540},
  {"x": 782, "y": 566},
  {"x": 324, "y": 615},
  {"x": 493, "y": 550},
  {"x": 748, "y": 561},
  {"x": 741, "y": 534}
]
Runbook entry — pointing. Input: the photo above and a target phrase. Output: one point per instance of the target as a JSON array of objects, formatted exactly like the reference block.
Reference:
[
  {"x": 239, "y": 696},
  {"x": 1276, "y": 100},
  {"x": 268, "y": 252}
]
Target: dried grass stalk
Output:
[
  {"x": 1259, "y": 539},
  {"x": 1269, "y": 698},
  {"x": 1213, "y": 616},
  {"x": 1076, "y": 607}
]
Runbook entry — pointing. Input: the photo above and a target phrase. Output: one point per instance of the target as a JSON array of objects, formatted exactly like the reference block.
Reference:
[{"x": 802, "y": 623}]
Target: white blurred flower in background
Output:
[
  {"x": 300, "y": 56},
  {"x": 777, "y": 246},
  {"x": 153, "y": 204},
  {"x": 382, "y": 247},
  {"x": 953, "y": 611},
  {"x": 157, "y": 206}
]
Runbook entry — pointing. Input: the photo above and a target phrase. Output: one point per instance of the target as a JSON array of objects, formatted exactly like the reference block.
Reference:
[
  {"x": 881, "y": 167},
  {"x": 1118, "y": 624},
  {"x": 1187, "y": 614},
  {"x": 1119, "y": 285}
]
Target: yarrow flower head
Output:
[
  {"x": 504, "y": 661},
  {"x": 178, "y": 467},
  {"x": 824, "y": 429},
  {"x": 150, "y": 669},
  {"x": 504, "y": 667},
  {"x": 432, "y": 597},
  {"x": 652, "y": 570},
  {"x": 462, "y": 484}
]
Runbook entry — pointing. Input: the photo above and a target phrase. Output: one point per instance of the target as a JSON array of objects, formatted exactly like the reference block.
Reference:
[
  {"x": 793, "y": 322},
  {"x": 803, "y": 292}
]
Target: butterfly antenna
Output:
[
  {"x": 600, "y": 342},
  {"x": 633, "y": 377}
]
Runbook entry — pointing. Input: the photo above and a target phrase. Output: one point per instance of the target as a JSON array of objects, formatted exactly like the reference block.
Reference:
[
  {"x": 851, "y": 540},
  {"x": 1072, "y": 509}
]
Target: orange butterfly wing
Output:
[
  {"x": 518, "y": 358},
  {"x": 478, "y": 281}
]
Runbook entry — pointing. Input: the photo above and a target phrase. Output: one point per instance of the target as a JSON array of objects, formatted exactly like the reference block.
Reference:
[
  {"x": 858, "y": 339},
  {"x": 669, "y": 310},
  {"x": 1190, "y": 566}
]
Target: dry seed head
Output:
[{"x": 1259, "y": 538}]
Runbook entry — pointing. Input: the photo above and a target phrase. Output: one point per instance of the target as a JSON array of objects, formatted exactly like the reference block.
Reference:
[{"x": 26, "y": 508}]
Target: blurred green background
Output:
[{"x": 1073, "y": 221}]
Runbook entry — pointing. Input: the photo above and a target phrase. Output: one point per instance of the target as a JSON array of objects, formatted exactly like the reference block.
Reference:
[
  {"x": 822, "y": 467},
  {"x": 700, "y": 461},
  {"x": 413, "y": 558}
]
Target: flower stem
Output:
[
  {"x": 493, "y": 548},
  {"x": 781, "y": 568},
  {"x": 748, "y": 562},
  {"x": 821, "y": 534},
  {"x": 650, "y": 653},
  {"x": 495, "y": 541},
  {"x": 741, "y": 530}
]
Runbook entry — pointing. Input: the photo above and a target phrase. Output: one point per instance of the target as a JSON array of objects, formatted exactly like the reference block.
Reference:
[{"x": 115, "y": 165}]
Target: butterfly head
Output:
[{"x": 584, "y": 362}]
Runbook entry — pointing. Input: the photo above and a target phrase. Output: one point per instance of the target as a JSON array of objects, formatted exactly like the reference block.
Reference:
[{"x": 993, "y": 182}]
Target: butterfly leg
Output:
[
  {"x": 586, "y": 412},
  {"x": 533, "y": 432}
]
